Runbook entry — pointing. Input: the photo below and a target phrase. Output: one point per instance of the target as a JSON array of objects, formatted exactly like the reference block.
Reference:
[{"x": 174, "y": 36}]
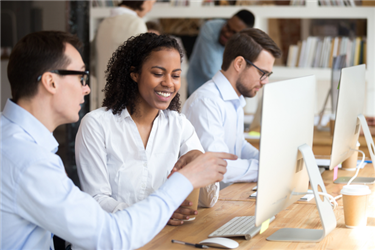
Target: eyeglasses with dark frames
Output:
[
  {"x": 84, "y": 77},
  {"x": 264, "y": 75}
]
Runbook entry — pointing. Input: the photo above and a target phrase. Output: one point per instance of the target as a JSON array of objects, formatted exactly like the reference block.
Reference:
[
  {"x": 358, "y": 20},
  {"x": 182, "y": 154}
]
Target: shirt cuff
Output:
[
  {"x": 241, "y": 171},
  {"x": 177, "y": 187}
]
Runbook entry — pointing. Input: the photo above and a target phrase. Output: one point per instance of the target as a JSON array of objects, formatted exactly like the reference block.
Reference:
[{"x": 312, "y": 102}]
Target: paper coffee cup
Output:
[
  {"x": 193, "y": 197},
  {"x": 350, "y": 164},
  {"x": 355, "y": 204}
]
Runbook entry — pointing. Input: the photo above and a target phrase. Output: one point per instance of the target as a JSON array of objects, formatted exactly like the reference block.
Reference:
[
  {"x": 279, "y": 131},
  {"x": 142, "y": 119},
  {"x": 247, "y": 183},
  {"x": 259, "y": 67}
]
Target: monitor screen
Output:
[{"x": 287, "y": 123}]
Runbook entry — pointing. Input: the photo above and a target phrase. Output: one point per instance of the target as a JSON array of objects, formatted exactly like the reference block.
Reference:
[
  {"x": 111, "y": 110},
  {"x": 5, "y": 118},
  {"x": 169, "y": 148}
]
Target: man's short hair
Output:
[
  {"x": 247, "y": 17},
  {"x": 134, "y": 5},
  {"x": 35, "y": 54},
  {"x": 248, "y": 43}
]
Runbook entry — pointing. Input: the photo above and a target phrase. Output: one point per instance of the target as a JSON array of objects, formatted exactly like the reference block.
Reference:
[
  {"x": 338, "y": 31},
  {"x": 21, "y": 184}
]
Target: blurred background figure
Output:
[
  {"x": 208, "y": 50},
  {"x": 125, "y": 21}
]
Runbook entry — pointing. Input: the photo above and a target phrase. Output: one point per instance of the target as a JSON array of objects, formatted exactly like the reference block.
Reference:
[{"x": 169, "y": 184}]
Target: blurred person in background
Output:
[
  {"x": 125, "y": 21},
  {"x": 207, "y": 54}
]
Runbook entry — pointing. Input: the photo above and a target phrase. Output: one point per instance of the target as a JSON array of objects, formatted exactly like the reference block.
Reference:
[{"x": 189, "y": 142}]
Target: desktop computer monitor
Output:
[
  {"x": 350, "y": 105},
  {"x": 287, "y": 125}
]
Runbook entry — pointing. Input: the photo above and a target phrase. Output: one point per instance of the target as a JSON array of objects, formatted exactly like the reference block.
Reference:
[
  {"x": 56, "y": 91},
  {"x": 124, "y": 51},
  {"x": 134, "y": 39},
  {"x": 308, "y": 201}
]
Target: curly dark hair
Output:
[{"x": 121, "y": 91}]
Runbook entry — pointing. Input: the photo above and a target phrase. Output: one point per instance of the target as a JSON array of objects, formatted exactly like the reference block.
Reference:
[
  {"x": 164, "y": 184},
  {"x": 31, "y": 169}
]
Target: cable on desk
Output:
[{"x": 333, "y": 199}]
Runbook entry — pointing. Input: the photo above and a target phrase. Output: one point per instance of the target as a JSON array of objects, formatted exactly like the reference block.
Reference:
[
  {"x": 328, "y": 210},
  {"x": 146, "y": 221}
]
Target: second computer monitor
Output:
[
  {"x": 350, "y": 104},
  {"x": 287, "y": 123}
]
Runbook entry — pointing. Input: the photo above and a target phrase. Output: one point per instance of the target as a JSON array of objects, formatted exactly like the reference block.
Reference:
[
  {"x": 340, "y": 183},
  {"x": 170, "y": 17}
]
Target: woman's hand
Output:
[{"x": 182, "y": 213}]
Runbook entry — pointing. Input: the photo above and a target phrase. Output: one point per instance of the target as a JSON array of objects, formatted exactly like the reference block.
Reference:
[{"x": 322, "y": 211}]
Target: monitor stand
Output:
[
  {"x": 371, "y": 150},
  {"x": 327, "y": 216}
]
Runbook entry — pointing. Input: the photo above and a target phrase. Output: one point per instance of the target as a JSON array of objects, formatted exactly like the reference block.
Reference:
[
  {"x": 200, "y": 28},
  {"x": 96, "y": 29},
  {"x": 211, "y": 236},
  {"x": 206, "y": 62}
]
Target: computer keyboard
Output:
[{"x": 238, "y": 226}]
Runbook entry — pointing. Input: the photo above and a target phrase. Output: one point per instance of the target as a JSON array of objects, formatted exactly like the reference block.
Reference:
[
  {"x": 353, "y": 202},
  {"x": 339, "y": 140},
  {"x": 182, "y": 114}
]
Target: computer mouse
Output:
[{"x": 220, "y": 243}]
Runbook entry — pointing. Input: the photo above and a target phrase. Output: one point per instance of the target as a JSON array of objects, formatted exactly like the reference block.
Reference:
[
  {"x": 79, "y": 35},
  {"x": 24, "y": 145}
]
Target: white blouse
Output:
[{"x": 116, "y": 169}]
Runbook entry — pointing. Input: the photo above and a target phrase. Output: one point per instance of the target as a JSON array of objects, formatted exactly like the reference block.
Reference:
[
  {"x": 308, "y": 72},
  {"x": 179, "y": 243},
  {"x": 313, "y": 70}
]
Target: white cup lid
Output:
[{"x": 355, "y": 190}]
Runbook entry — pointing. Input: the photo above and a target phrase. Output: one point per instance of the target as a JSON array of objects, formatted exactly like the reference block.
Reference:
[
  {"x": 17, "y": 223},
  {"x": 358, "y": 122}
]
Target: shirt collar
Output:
[
  {"x": 226, "y": 90},
  {"x": 126, "y": 115},
  {"x": 122, "y": 10},
  {"x": 41, "y": 135}
]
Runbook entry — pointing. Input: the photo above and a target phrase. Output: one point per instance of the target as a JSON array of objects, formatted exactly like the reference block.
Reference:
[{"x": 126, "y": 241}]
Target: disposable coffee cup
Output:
[
  {"x": 350, "y": 164},
  {"x": 193, "y": 197},
  {"x": 355, "y": 204}
]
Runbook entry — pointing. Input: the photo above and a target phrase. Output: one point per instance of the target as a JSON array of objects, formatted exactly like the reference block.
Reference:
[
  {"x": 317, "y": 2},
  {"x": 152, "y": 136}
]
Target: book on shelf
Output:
[
  {"x": 335, "y": 45},
  {"x": 302, "y": 55},
  {"x": 297, "y": 2},
  {"x": 252, "y": 2},
  {"x": 292, "y": 55},
  {"x": 339, "y": 3},
  {"x": 326, "y": 52},
  {"x": 179, "y": 2},
  {"x": 364, "y": 51},
  {"x": 318, "y": 52},
  {"x": 360, "y": 61},
  {"x": 299, "y": 44},
  {"x": 319, "y": 48},
  {"x": 311, "y": 52},
  {"x": 104, "y": 3},
  {"x": 357, "y": 50}
]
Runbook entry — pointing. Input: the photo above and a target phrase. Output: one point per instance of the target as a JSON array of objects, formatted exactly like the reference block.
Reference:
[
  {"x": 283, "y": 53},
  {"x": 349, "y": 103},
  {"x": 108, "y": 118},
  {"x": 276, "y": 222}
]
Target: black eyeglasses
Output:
[
  {"x": 84, "y": 75},
  {"x": 264, "y": 75}
]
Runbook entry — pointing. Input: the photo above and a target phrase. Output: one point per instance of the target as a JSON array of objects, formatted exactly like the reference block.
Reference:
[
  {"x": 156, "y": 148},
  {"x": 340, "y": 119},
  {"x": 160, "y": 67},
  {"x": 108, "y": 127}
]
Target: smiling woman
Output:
[
  {"x": 127, "y": 149},
  {"x": 127, "y": 63}
]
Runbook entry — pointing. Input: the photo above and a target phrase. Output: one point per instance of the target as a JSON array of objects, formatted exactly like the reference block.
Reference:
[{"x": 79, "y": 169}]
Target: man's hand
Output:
[
  {"x": 182, "y": 213},
  {"x": 185, "y": 159},
  {"x": 207, "y": 168}
]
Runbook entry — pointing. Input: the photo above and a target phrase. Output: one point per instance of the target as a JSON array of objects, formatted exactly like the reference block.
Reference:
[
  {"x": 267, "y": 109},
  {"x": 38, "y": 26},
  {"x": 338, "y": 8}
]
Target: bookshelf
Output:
[{"x": 262, "y": 13}]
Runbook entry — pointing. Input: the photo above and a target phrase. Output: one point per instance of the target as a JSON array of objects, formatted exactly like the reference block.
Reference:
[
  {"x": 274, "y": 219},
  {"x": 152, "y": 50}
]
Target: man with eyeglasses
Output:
[
  {"x": 216, "y": 108},
  {"x": 207, "y": 54},
  {"x": 48, "y": 83}
]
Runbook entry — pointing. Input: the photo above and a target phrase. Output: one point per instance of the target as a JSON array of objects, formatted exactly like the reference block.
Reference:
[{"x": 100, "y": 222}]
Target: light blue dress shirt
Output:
[
  {"x": 216, "y": 112},
  {"x": 38, "y": 199},
  {"x": 207, "y": 55}
]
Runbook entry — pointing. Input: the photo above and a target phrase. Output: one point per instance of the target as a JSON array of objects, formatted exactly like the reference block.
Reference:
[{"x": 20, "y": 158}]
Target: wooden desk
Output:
[
  {"x": 242, "y": 191},
  {"x": 232, "y": 203},
  {"x": 322, "y": 143}
]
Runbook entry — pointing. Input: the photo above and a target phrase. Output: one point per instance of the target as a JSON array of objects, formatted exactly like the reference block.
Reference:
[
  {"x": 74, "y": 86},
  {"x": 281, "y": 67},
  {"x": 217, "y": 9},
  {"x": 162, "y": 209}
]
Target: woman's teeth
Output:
[{"x": 163, "y": 94}]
